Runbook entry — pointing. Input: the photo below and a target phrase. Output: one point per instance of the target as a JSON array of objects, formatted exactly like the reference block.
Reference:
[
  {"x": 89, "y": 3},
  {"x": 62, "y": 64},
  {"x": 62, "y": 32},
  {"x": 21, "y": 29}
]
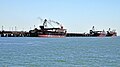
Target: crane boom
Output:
[
  {"x": 57, "y": 23},
  {"x": 46, "y": 21}
]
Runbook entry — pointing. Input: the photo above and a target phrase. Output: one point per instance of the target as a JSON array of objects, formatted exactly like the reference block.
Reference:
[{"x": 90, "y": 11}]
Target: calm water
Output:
[{"x": 60, "y": 52}]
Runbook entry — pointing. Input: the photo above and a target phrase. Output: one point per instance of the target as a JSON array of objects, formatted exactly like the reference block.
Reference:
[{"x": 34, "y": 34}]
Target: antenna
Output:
[
  {"x": 15, "y": 28},
  {"x": 2, "y": 28},
  {"x": 34, "y": 26},
  {"x": 23, "y": 29},
  {"x": 30, "y": 28},
  {"x": 9, "y": 28},
  {"x": 12, "y": 28}
]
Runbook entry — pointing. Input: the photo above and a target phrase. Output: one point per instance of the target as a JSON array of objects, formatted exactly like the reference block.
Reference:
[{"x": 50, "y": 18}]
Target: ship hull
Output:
[{"x": 52, "y": 36}]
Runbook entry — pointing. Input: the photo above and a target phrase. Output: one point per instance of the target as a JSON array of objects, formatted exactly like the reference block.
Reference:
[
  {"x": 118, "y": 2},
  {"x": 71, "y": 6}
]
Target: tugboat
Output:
[{"x": 45, "y": 31}]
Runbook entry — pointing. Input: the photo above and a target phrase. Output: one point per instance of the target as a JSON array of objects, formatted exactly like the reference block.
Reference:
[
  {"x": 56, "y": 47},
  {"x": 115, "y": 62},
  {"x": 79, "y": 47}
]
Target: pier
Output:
[
  {"x": 78, "y": 35},
  {"x": 14, "y": 34}
]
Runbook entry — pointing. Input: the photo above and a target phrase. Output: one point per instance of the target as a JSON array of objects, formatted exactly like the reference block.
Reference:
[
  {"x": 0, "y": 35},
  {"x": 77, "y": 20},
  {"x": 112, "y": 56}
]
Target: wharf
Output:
[
  {"x": 78, "y": 35},
  {"x": 14, "y": 34}
]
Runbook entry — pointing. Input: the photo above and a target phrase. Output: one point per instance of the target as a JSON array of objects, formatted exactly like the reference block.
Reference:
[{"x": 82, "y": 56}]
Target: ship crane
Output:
[
  {"x": 56, "y": 23},
  {"x": 46, "y": 21}
]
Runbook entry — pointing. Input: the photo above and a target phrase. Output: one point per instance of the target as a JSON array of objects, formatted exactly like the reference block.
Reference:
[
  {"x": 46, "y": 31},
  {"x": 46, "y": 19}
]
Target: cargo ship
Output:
[
  {"x": 103, "y": 33},
  {"x": 51, "y": 32},
  {"x": 94, "y": 33}
]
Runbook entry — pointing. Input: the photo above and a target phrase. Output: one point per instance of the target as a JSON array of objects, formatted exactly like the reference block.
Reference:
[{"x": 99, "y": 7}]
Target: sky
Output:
[{"x": 75, "y": 15}]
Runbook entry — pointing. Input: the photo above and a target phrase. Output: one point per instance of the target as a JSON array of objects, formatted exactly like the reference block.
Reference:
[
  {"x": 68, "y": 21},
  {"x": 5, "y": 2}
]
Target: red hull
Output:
[{"x": 52, "y": 36}]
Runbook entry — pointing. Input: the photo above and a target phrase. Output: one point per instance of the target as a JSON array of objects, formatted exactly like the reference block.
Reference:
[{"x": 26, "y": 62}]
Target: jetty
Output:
[{"x": 14, "y": 34}]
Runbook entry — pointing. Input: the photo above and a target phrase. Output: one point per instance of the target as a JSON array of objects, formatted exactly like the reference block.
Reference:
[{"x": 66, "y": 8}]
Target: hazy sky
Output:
[{"x": 75, "y": 15}]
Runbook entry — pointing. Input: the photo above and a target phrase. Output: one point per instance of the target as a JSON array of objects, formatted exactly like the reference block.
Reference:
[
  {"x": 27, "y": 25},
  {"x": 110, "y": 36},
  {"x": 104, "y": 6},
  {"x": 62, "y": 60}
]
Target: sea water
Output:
[{"x": 60, "y": 52}]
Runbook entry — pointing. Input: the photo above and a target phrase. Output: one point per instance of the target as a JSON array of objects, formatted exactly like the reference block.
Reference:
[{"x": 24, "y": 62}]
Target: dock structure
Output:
[
  {"x": 14, "y": 34},
  {"x": 78, "y": 35}
]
